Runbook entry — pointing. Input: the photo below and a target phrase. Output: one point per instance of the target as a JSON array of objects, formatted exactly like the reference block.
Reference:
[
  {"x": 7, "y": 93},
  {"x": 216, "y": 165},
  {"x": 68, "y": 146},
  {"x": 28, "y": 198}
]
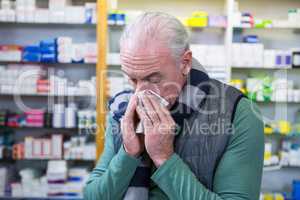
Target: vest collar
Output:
[{"x": 193, "y": 93}]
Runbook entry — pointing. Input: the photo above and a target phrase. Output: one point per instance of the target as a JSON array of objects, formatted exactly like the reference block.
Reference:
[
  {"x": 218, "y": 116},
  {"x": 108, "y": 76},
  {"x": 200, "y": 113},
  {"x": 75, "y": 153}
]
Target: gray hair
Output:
[{"x": 158, "y": 26}]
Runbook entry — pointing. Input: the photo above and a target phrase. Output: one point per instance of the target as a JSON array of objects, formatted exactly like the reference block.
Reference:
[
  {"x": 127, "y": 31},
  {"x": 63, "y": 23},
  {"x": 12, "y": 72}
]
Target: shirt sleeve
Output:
[
  {"x": 112, "y": 175},
  {"x": 238, "y": 175}
]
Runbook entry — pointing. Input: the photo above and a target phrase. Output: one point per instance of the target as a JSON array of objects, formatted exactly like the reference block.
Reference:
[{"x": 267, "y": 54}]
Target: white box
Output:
[
  {"x": 41, "y": 16},
  {"x": 37, "y": 148},
  {"x": 28, "y": 145},
  {"x": 258, "y": 55},
  {"x": 269, "y": 58},
  {"x": 56, "y": 16},
  {"x": 59, "y": 4},
  {"x": 29, "y": 15},
  {"x": 57, "y": 145},
  {"x": 236, "y": 55},
  {"x": 75, "y": 14},
  {"x": 46, "y": 148},
  {"x": 20, "y": 15},
  {"x": 6, "y": 4}
]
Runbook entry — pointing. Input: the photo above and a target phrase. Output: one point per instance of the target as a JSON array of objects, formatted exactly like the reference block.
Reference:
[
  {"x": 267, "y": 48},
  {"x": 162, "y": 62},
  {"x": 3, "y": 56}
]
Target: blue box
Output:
[
  {"x": 46, "y": 43},
  {"x": 48, "y": 50},
  {"x": 251, "y": 39},
  {"x": 31, "y": 57},
  {"x": 296, "y": 189},
  {"x": 49, "y": 58},
  {"x": 32, "y": 49},
  {"x": 48, "y": 46}
]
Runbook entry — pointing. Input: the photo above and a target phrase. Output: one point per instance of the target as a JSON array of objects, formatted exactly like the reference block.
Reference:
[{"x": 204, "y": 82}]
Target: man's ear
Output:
[{"x": 186, "y": 63}]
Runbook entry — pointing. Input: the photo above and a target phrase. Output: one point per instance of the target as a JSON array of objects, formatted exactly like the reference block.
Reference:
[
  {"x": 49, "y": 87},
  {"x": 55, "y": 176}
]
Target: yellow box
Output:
[
  {"x": 284, "y": 127},
  {"x": 198, "y": 19}
]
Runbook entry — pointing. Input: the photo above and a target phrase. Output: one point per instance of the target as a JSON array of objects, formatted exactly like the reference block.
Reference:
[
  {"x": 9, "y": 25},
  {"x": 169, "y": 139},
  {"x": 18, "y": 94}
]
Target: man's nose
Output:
[{"x": 141, "y": 85}]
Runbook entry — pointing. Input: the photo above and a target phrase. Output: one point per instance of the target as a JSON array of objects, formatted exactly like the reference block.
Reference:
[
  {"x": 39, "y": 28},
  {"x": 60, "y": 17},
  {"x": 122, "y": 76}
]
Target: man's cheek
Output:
[
  {"x": 171, "y": 88},
  {"x": 154, "y": 87}
]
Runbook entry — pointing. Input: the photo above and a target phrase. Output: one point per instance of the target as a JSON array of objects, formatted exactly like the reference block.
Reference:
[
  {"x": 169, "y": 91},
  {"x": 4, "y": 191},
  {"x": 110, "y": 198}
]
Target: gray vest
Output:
[{"x": 205, "y": 128}]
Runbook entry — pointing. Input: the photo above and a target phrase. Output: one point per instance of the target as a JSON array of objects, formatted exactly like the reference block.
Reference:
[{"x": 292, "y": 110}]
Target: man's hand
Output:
[
  {"x": 133, "y": 143},
  {"x": 159, "y": 129}
]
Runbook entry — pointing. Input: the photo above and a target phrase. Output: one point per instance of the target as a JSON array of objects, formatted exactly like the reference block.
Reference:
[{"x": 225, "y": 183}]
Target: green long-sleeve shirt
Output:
[{"x": 237, "y": 177}]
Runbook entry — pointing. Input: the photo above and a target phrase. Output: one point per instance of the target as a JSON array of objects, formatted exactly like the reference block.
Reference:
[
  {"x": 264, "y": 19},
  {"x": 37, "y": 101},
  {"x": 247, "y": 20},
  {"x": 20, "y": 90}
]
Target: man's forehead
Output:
[
  {"x": 141, "y": 72},
  {"x": 151, "y": 48},
  {"x": 138, "y": 62},
  {"x": 144, "y": 54}
]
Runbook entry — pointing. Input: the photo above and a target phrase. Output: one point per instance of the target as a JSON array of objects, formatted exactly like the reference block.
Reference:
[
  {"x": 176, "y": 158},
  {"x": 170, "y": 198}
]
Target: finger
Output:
[
  {"x": 131, "y": 107},
  {"x": 144, "y": 117},
  {"x": 158, "y": 108},
  {"x": 127, "y": 129},
  {"x": 150, "y": 111},
  {"x": 164, "y": 114},
  {"x": 168, "y": 116},
  {"x": 126, "y": 125}
]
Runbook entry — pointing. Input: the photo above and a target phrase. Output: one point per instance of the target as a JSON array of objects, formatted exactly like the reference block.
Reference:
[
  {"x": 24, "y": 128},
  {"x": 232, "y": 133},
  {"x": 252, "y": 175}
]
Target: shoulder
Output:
[
  {"x": 248, "y": 124},
  {"x": 118, "y": 103},
  {"x": 247, "y": 109}
]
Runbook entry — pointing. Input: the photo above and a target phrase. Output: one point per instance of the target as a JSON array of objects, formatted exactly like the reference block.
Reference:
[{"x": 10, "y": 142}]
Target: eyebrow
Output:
[
  {"x": 152, "y": 74},
  {"x": 146, "y": 77}
]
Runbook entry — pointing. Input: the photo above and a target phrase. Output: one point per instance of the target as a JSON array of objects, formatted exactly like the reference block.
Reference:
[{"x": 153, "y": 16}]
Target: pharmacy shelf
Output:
[
  {"x": 62, "y": 23},
  {"x": 205, "y": 27},
  {"x": 84, "y": 33},
  {"x": 47, "y": 95},
  {"x": 48, "y": 24},
  {"x": 291, "y": 135},
  {"x": 51, "y": 128},
  {"x": 268, "y": 28},
  {"x": 46, "y": 160},
  {"x": 44, "y": 63},
  {"x": 233, "y": 67},
  {"x": 278, "y": 167},
  {"x": 262, "y": 68},
  {"x": 279, "y": 102},
  {"x": 7, "y": 160},
  {"x": 272, "y": 168},
  {"x": 63, "y": 131},
  {"x": 188, "y": 27},
  {"x": 40, "y": 198}
]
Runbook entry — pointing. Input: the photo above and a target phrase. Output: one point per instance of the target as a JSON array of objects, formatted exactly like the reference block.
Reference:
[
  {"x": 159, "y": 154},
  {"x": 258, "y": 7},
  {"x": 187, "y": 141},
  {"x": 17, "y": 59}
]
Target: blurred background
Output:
[{"x": 59, "y": 65}]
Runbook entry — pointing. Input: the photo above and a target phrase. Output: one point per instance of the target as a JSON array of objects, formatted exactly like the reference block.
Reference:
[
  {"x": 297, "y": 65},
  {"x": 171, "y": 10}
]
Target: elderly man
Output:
[{"x": 206, "y": 144}]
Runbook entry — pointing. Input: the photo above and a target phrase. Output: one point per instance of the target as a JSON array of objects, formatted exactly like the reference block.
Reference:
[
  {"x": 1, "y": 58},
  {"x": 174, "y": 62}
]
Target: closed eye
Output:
[{"x": 154, "y": 78}]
